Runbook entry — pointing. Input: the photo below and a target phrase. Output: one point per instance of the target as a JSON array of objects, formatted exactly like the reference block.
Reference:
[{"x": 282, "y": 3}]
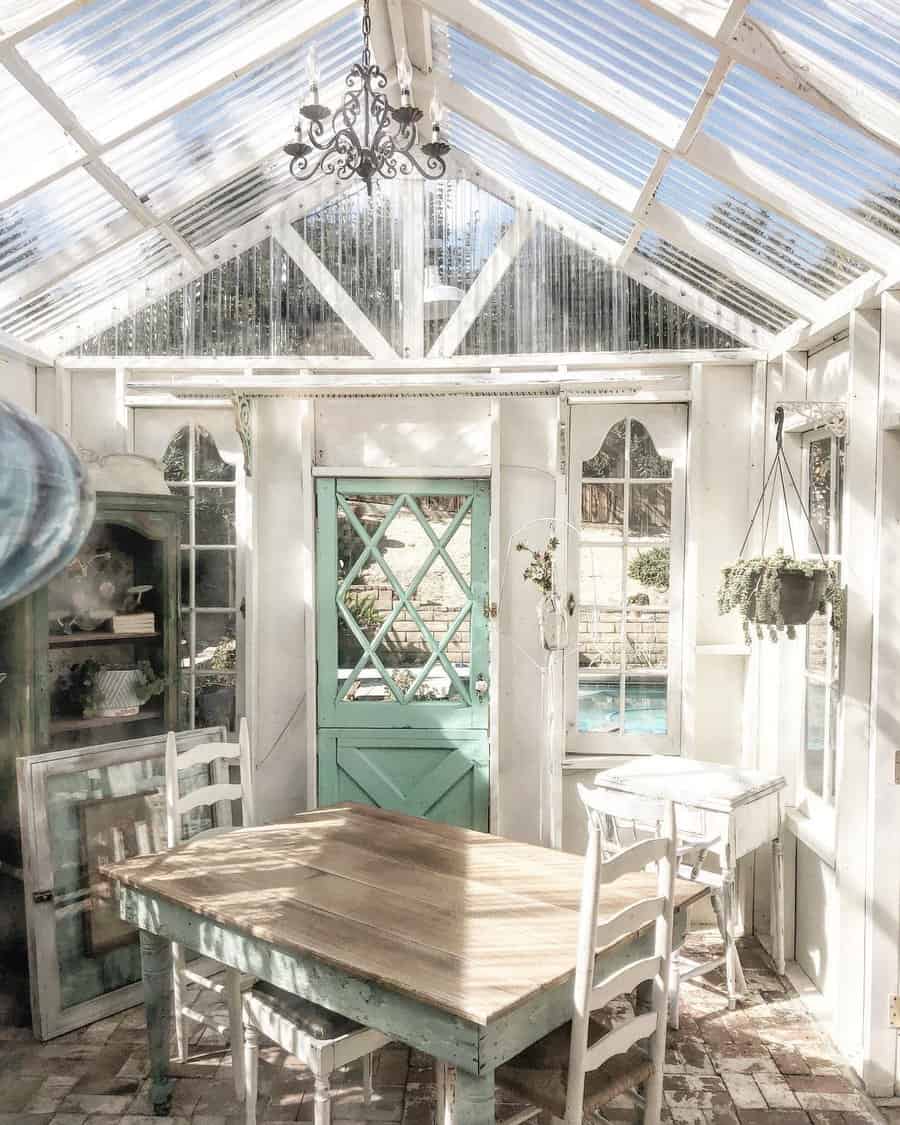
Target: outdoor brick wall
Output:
[
  {"x": 646, "y": 638},
  {"x": 405, "y": 639}
]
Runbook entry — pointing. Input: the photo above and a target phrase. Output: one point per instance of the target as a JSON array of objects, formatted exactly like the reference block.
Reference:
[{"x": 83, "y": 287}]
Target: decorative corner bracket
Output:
[
  {"x": 243, "y": 415},
  {"x": 831, "y": 416}
]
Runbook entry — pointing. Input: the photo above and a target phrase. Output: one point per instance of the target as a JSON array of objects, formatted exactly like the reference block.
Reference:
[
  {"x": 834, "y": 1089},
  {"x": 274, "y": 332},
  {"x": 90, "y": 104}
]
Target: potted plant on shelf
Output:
[
  {"x": 780, "y": 592},
  {"x": 117, "y": 691},
  {"x": 650, "y": 569},
  {"x": 551, "y": 620}
]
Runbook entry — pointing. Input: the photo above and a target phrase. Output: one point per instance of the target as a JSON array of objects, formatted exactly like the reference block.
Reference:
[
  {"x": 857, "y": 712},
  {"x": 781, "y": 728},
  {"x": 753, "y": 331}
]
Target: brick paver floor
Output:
[{"x": 765, "y": 1064}]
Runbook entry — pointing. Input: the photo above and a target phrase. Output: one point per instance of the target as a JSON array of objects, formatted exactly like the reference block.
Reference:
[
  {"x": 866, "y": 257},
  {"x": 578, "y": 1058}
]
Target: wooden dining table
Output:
[{"x": 455, "y": 942}]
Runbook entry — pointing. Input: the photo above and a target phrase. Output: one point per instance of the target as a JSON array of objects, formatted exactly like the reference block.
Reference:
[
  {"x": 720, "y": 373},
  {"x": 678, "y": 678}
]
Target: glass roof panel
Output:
[
  {"x": 640, "y": 50},
  {"x": 514, "y": 165},
  {"x": 507, "y": 86},
  {"x": 809, "y": 147},
  {"x": 807, "y": 259},
  {"x": 116, "y": 63},
  {"x": 71, "y": 208},
  {"x": 16, "y": 14},
  {"x": 732, "y": 294},
  {"x": 41, "y": 146},
  {"x": 230, "y": 205},
  {"x": 76, "y": 293},
  {"x": 183, "y": 155},
  {"x": 861, "y": 37}
]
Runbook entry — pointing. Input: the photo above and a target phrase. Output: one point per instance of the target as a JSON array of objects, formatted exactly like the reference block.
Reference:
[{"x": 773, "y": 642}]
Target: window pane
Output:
[
  {"x": 600, "y": 576},
  {"x": 820, "y": 493},
  {"x": 215, "y": 577},
  {"x": 216, "y": 642},
  {"x": 645, "y": 706},
  {"x": 598, "y": 706},
  {"x": 610, "y": 460},
  {"x": 650, "y": 516},
  {"x": 644, "y": 461},
  {"x": 208, "y": 465},
  {"x": 185, "y": 529},
  {"x": 814, "y": 737},
  {"x": 603, "y": 510},
  {"x": 817, "y": 643},
  {"x": 214, "y": 515},
  {"x": 214, "y": 701},
  {"x": 646, "y": 640},
  {"x": 599, "y": 638},
  {"x": 175, "y": 458}
]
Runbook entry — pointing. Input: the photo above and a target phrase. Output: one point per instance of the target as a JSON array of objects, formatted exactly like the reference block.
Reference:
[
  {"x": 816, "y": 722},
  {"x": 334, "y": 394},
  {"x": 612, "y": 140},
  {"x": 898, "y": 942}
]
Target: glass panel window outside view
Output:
[
  {"x": 404, "y": 598},
  {"x": 626, "y": 501}
]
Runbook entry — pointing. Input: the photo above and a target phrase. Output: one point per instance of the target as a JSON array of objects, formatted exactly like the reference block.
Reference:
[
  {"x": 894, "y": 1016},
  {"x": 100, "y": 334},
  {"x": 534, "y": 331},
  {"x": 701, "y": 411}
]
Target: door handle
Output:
[{"x": 481, "y": 688}]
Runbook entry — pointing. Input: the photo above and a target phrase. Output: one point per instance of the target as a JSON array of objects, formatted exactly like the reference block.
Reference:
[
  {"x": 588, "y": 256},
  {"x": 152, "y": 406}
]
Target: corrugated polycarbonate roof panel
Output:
[
  {"x": 809, "y": 147},
  {"x": 102, "y": 278},
  {"x": 52, "y": 219},
  {"x": 16, "y": 14},
  {"x": 507, "y": 86},
  {"x": 642, "y": 51},
  {"x": 231, "y": 205},
  {"x": 861, "y": 37},
  {"x": 740, "y": 298},
  {"x": 115, "y": 63},
  {"x": 514, "y": 165},
  {"x": 181, "y": 156},
  {"x": 792, "y": 251},
  {"x": 41, "y": 147}
]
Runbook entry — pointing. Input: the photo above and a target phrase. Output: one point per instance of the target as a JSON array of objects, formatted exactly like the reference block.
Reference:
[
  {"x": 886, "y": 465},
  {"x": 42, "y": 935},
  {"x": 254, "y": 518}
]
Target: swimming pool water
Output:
[{"x": 645, "y": 707}]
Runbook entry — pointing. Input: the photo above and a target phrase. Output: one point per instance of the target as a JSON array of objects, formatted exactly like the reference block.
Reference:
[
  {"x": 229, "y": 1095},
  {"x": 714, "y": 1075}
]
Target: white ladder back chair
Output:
[
  {"x": 588, "y": 1062},
  {"x": 630, "y": 818},
  {"x": 221, "y": 791}
]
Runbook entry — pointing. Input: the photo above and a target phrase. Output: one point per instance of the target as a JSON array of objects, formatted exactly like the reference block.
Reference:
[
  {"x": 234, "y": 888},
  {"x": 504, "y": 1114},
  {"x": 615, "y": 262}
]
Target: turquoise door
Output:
[{"x": 402, "y": 582}]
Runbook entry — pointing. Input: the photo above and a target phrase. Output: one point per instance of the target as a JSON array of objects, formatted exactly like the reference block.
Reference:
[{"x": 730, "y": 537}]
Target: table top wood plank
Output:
[
  {"x": 469, "y": 923},
  {"x": 687, "y": 781}
]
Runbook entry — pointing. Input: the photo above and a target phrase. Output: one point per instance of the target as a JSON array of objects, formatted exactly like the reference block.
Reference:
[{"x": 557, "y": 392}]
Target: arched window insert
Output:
[
  {"x": 628, "y": 500},
  {"x": 209, "y": 625}
]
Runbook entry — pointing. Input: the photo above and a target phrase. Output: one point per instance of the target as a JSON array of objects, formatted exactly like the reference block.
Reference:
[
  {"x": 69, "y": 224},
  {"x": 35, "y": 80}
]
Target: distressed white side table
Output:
[{"x": 740, "y": 807}]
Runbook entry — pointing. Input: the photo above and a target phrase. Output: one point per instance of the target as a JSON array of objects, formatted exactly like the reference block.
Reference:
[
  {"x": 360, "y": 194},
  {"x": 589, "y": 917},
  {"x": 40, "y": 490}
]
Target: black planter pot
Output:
[{"x": 800, "y": 597}]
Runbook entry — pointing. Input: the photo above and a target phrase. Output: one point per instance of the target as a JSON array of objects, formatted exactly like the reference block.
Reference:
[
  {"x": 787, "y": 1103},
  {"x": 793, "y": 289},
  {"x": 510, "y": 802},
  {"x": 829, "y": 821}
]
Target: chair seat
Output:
[
  {"x": 310, "y": 1018},
  {"x": 539, "y": 1074}
]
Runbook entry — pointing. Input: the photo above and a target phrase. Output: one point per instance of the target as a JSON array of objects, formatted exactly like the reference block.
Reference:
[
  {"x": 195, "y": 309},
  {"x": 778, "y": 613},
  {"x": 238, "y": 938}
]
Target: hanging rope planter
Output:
[{"x": 780, "y": 591}]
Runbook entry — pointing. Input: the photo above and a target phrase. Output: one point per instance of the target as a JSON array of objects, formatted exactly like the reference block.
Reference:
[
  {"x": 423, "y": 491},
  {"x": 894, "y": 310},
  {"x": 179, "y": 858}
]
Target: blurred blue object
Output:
[{"x": 46, "y": 503}]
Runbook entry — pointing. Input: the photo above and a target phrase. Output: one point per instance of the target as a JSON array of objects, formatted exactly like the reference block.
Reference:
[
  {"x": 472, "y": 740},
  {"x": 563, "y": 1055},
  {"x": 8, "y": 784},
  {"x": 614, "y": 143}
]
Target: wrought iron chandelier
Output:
[{"x": 367, "y": 135}]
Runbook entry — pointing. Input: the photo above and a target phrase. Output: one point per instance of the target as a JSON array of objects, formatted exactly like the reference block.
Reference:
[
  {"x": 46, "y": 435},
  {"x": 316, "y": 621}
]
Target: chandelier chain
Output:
[{"x": 367, "y": 31}]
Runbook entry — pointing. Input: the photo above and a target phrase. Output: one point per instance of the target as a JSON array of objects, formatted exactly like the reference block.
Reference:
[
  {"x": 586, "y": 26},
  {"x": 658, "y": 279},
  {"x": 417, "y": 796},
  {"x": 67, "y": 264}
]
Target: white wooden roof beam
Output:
[
  {"x": 22, "y": 349},
  {"x": 13, "y": 30},
  {"x": 306, "y": 21},
  {"x": 779, "y": 58},
  {"x": 479, "y": 292},
  {"x": 144, "y": 292},
  {"x": 683, "y": 294},
  {"x": 331, "y": 290}
]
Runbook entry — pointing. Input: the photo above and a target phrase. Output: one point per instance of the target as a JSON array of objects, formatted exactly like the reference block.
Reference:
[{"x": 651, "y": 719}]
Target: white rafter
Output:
[
  {"x": 22, "y": 349},
  {"x": 332, "y": 291},
  {"x": 13, "y": 30},
  {"x": 479, "y": 292}
]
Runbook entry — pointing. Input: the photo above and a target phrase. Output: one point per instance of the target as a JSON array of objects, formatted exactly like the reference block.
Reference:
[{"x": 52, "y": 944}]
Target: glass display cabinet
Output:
[{"x": 93, "y": 656}]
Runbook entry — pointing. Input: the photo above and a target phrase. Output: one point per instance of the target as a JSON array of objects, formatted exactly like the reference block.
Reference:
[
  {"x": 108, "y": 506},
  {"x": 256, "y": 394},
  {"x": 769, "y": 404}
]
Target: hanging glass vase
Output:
[{"x": 552, "y": 624}]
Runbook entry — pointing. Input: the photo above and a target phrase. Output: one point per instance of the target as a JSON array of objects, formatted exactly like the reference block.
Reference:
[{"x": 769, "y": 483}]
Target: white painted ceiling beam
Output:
[
  {"x": 683, "y": 294},
  {"x": 23, "y": 349},
  {"x": 703, "y": 243},
  {"x": 479, "y": 292},
  {"x": 863, "y": 292},
  {"x": 331, "y": 290},
  {"x": 305, "y": 21},
  {"x": 590, "y": 86},
  {"x": 144, "y": 292},
  {"x": 792, "y": 66}
]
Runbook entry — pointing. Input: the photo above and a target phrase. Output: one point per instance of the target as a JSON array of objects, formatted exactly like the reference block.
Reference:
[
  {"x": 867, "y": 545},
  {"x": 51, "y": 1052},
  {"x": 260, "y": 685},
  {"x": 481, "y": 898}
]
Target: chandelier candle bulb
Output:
[
  {"x": 312, "y": 72},
  {"x": 404, "y": 76}
]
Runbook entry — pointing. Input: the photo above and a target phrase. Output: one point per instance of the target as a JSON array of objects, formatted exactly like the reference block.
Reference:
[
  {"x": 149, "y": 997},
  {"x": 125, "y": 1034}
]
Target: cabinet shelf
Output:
[
  {"x": 62, "y": 726},
  {"x": 73, "y": 640}
]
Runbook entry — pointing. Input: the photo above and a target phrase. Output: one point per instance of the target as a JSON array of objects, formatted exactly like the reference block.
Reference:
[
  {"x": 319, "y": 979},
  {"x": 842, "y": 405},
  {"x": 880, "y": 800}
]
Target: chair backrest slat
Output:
[
  {"x": 629, "y": 920},
  {"x": 599, "y": 872},
  {"x": 219, "y": 790},
  {"x": 625, "y": 980},
  {"x": 620, "y": 1039}
]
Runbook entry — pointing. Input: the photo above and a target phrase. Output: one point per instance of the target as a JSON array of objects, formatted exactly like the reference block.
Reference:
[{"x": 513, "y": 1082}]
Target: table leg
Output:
[
  {"x": 778, "y": 905},
  {"x": 734, "y": 974},
  {"x": 156, "y": 970},
  {"x": 468, "y": 1098}
]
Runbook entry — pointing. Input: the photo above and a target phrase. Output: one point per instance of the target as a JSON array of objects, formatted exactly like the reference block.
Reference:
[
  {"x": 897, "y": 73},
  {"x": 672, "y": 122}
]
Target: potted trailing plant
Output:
[
  {"x": 651, "y": 569},
  {"x": 551, "y": 620},
  {"x": 117, "y": 691},
  {"x": 779, "y": 592}
]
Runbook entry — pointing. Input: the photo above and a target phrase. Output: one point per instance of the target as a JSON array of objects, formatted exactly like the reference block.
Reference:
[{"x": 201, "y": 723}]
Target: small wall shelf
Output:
[
  {"x": 722, "y": 650},
  {"x": 70, "y": 640},
  {"x": 890, "y": 422},
  {"x": 60, "y": 726}
]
